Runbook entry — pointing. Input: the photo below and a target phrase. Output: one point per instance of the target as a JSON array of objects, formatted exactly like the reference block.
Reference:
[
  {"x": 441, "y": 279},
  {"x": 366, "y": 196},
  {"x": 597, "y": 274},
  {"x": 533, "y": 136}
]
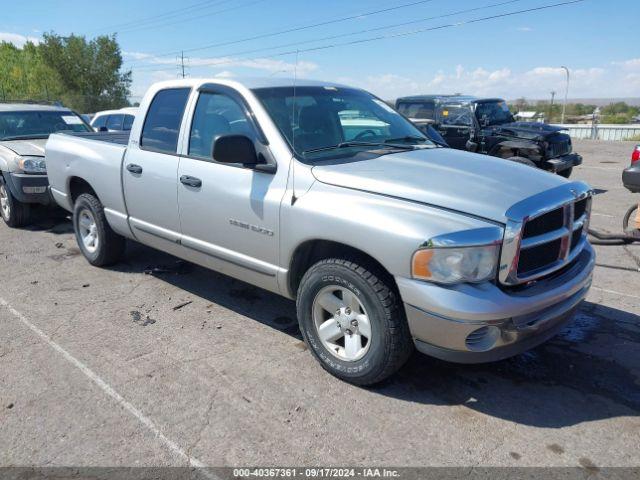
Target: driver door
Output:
[{"x": 455, "y": 124}]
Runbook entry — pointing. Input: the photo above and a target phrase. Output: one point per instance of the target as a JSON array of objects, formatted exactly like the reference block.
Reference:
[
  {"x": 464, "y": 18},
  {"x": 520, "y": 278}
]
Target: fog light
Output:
[
  {"x": 482, "y": 339},
  {"x": 34, "y": 189}
]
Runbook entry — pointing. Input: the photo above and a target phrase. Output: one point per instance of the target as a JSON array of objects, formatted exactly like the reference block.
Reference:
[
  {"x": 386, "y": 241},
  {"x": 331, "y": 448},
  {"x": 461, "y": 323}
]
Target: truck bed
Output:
[{"x": 120, "y": 138}]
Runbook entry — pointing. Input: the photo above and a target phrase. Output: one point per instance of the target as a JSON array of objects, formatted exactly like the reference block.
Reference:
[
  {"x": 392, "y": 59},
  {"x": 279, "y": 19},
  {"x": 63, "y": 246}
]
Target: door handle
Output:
[
  {"x": 133, "y": 168},
  {"x": 191, "y": 181}
]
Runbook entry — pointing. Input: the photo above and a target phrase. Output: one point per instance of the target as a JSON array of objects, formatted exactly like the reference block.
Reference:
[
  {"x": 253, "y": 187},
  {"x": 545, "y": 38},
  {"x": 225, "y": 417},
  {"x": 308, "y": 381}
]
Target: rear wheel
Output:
[
  {"x": 14, "y": 213},
  {"x": 353, "y": 321},
  {"x": 100, "y": 245}
]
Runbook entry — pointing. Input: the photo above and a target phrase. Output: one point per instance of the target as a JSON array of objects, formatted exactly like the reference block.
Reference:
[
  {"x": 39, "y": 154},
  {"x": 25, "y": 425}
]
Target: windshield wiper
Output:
[
  {"x": 407, "y": 138},
  {"x": 357, "y": 144}
]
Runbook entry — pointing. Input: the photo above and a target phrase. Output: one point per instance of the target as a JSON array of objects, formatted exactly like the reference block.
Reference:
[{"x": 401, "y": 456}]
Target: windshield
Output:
[
  {"x": 38, "y": 124},
  {"x": 493, "y": 113},
  {"x": 323, "y": 119}
]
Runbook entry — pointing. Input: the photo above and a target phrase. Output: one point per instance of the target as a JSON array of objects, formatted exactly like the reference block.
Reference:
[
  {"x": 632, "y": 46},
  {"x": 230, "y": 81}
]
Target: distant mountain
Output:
[{"x": 598, "y": 102}]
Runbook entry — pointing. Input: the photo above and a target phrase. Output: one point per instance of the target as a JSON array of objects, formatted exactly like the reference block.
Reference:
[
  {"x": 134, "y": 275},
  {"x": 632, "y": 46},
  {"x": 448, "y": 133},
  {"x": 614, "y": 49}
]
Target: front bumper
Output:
[
  {"x": 27, "y": 188},
  {"x": 483, "y": 323},
  {"x": 564, "y": 162}
]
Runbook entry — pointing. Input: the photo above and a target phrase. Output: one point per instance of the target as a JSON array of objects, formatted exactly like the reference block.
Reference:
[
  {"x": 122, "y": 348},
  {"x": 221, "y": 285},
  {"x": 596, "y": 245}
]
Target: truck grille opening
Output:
[
  {"x": 544, "y": 223},
  {"x": 558, "y": 146},
  {"x": 551, "y": 240},
  {"x": 539, "y": 257},
  {"x": 579, "y": 208}
]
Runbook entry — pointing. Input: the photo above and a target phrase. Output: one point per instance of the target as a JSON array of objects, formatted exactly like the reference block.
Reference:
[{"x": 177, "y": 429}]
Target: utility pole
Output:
[
  {"x": 553, "y": 95},
  {"x": 566, "y": 94},
  {"x": 182, "y": 64}
]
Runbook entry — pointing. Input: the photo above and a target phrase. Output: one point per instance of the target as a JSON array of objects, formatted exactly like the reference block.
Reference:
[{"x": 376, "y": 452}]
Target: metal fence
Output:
[{"x": 605, "y": 131}]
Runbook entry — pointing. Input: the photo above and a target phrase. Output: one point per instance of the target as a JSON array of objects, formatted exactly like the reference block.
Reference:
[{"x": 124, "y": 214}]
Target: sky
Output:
[{"x": 420, "y": 46}]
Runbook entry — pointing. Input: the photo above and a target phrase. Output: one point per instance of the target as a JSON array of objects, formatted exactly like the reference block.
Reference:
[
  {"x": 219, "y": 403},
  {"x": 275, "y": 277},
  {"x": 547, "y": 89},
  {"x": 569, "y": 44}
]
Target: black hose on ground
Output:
[{"x": 601, "y": 238}]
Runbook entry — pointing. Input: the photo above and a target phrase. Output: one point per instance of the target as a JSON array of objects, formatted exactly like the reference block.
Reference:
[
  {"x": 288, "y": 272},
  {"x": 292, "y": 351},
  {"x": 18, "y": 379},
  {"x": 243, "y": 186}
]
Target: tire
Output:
[
  {"x": 630, "y": 217},
  {"x": 523, "y": 161},
  {"x": 347, "y": 283},
  {"x": 14, "y": 213},
  {"x": 89, "y": 223},
  {"x": 566, "y": 173}
]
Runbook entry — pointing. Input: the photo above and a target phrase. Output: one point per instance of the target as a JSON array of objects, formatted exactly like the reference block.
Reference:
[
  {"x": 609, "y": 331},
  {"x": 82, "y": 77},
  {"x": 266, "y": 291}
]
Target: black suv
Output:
[{"x": 487, "y": 126}]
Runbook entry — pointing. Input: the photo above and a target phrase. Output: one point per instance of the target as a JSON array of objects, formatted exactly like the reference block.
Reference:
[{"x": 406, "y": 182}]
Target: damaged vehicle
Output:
[
  {"x": 24, "y": 129},
  {"x": 324, "y": 194},
  {"x": 485, "y": 125}
]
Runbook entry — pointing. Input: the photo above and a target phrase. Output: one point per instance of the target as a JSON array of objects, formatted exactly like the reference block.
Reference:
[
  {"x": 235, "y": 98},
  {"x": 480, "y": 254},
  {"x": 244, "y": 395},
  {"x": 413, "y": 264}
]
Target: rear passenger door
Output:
[{"x": 150, "y": 171}]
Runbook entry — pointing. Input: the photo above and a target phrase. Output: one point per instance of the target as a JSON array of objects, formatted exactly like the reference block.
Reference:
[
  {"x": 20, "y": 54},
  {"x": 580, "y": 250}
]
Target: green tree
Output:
[{"x": 88, "y": 71}]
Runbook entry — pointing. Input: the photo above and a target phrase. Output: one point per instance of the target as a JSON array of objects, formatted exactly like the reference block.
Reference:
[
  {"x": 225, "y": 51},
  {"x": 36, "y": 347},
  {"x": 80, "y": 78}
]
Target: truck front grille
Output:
[
  {"x": 558, "y": 147},
  {"x": 541, "y": 242}
]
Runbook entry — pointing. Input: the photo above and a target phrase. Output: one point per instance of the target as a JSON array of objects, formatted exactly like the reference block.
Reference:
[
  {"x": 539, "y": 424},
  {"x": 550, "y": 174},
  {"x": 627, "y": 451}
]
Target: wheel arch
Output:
[
  {"x": 312, "y": 251},
  {"x": 77, "y": 186}
]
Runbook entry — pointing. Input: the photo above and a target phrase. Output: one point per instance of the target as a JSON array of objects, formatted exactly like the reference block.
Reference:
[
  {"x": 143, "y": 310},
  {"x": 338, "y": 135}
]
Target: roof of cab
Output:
[
  {"x": 248, "y": 82},
  {"x": 28, "y": 107}
]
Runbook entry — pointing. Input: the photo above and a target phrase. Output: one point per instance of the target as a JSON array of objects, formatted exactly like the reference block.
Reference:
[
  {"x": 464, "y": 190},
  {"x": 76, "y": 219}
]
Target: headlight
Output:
[
  {"x": 32, "y": 164},
  {"x": 456, "y": 265}
]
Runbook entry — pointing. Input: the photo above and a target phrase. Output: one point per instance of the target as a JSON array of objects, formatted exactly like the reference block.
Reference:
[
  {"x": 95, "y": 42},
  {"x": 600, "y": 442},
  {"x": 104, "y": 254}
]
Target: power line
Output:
[
  {"x": 199, "y": 16},
  {"x": 167, "y": 14},
  {"x": 368, "y": 30},
  {"x": 384, "y": 37},
  {"x": 297, "y": 29}
]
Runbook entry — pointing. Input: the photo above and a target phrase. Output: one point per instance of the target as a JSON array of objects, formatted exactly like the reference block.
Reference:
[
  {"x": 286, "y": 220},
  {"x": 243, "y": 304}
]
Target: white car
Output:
[{"x": 114, "y": 120}]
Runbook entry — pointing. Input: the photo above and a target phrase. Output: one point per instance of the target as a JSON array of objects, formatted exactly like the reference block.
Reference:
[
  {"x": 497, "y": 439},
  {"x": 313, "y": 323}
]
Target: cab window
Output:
[
  {"x": 215, "y": 115},
  {"x": 114, "y": 122},
  {"x": 455, "y": 115},
  {"x": 162, "y": 125},
  {"x": 422, "y": 110},
  {"x": 128, "y": 122}
]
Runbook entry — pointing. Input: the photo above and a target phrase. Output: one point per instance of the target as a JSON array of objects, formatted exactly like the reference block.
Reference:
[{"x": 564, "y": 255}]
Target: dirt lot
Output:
[{"x": 114, "y": 367}]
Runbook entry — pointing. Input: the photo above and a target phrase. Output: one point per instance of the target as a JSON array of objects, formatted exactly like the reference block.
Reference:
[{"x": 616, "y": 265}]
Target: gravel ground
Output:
[{"x": 132, "y": 366}]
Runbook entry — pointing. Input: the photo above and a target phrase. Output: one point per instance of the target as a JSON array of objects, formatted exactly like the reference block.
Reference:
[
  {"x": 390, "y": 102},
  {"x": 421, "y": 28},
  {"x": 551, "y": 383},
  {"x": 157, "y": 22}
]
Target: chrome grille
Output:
[{"x": 544, "y": 233}]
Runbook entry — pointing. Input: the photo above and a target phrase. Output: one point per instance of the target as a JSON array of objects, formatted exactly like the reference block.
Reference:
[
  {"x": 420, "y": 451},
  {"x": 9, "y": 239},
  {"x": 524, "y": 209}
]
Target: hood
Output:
[
  {"x": 529, "y": 130},
  {"x": 26, "y": 147},
  {"x": 474, "y": 184}
]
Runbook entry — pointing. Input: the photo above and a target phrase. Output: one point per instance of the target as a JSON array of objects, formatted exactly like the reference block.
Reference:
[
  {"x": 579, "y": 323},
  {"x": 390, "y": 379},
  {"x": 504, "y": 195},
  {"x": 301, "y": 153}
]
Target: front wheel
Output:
[
  {"x": 14, "y": 213},
  {"x": 353, "y": 321},
  {"x": 99, "y": 244}
]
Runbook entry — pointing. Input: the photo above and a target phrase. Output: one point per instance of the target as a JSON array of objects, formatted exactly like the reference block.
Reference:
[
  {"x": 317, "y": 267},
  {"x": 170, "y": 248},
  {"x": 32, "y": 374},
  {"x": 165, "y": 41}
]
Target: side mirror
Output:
[
  {"x": 471, "y": 146},
  {"x": 103, "y": 129},
  {"x": 235, "y": 149}
]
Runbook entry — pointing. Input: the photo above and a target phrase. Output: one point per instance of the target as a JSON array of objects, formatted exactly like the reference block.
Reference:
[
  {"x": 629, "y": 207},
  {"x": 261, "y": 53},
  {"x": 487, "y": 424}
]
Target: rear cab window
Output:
[
  {"x": 115, "y": 122},
  {"x": 100, "y": 121},
  {"x": 161, "y": 127},
  {"x": 421, "y": 110},
  {"x": 128, "y": 122}
]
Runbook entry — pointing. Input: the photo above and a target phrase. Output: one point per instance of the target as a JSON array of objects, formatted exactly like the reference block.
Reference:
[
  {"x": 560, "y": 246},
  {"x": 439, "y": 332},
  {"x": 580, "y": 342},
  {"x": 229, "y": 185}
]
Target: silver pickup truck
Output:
[{"x": 324, "y": 194}]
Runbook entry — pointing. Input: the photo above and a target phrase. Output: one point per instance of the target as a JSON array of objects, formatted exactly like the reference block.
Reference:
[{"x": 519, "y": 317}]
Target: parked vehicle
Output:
[
  {"x": 384, "y": 239},
  {"x": 24, "y": 129},
  {"x": 485, "y": 125},
  {"x": 631, "y": 175},
  {"x": 114, "y": 120}
]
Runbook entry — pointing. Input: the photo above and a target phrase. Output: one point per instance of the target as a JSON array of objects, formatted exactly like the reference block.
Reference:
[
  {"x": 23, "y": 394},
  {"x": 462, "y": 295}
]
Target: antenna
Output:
[
  {"x": 293, "y": 133},
  {"x": 181, "y": 65}
]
